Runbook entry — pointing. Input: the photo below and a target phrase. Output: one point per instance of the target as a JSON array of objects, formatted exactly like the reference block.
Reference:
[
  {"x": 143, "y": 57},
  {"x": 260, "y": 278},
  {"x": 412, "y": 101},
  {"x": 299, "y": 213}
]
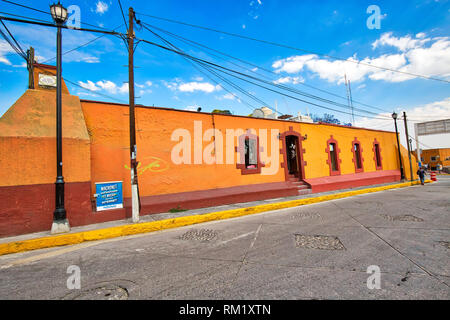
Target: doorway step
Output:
[{"x": 302, "y": 187}]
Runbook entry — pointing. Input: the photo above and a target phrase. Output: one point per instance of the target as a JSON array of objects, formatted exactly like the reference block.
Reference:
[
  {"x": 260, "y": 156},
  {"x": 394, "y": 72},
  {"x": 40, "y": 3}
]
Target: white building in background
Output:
[
  {"x": 302, "y": 118},
  {"x": 267, "y": 113},
  {"x": 264, "y": 112}
]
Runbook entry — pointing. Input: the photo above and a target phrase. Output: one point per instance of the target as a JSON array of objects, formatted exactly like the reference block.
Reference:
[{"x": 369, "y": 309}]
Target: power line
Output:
[
  {"x": 214, "y": 73},
  {"x": 417, "y": 142},
  {"x": 23, "y": 54},
  {"x": 45, "y": 12},
  {"x": 291, "y": 89},
  {"x": 222, "y": 69},
  {"x": 87, "y": 89},
  {"x": 196, "y": 44},
  {"x": 123, "y": 15},
  {"x": 46, "y": 24},
  {"x": 82, "y": 45},
  {"x": 291, "y": 47}
]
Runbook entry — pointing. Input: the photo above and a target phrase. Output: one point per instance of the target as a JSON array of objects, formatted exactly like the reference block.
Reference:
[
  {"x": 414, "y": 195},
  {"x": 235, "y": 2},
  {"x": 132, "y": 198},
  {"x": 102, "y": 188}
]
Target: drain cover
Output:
[
  {"x": 199, "y": 235},
  {"x": 318, "y": 242},
  {"x": 306, "y": 215},
  {"x": 106, "y": 292},
  {"x": 405, "y": 217}
]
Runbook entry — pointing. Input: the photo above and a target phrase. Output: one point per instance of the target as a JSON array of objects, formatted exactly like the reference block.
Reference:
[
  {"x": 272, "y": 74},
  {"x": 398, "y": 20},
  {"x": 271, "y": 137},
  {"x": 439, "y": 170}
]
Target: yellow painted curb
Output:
[{"x": 131, "y": 229}]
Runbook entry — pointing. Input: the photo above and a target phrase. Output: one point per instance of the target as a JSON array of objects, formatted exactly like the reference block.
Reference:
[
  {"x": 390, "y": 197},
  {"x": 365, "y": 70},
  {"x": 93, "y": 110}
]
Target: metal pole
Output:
[
  {"x": 407, "y": 142},
  {"x": 402, "y": 174},
  {"x": 419, "y": 152},
  {"x": 60, "y": 223},
  {"x": 133, "y": 148}
]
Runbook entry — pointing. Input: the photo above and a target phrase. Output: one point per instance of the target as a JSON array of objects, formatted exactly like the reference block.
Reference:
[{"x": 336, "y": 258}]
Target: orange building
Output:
[
  {"x": 186, "y": 159},
  {"x": 435, "y": 157}
]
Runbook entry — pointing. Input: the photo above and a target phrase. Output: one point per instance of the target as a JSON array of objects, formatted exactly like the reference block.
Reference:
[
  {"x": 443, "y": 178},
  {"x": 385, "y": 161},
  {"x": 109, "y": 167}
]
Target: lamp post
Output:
[
  {"x": 394, "y": 116},
  {"x": 60, "y": 222}
]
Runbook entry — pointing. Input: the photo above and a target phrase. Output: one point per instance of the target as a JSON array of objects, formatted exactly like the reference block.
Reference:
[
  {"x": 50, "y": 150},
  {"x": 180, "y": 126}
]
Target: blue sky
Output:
[{"x": 414, "y": 36}]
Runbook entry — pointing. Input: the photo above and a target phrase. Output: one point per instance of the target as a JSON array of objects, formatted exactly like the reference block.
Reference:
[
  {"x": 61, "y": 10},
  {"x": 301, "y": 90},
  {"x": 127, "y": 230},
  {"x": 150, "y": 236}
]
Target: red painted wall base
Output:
[
  {"x": 352, "y": 180},
  {"x": 212, "y": 197},
  {"x": 28, "y": 209}
]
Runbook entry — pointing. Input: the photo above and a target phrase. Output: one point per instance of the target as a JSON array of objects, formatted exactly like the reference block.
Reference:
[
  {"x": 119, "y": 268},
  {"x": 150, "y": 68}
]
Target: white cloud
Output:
[
  {"x": 198, "y": 86},
  {"x": 428, "y": 112},
  {"x": 89, "y": 85},
  {"x": 5, "y": 49},
  {"x": 293, "y": 80},
  {"x": 101, "y": 7},
  {"x": 292, "y": 64},
  {"x": 362, "y": 86},
  {"x": 105, "y": 85},
  {"x": 402, "y": 43},
  {"x": 228, "y": 96},
  {"x": 424, "y": 56}
]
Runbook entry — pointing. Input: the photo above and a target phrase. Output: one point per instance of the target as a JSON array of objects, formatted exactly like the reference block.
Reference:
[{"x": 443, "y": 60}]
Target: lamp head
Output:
[
  {"x": 59, "y": 13},
  {"x": 394, "y": 116}
]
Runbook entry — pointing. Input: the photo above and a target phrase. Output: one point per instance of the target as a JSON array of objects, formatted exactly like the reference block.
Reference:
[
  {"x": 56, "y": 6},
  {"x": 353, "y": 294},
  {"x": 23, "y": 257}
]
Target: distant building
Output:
[
  {"x": 264, "y": 113},
  {"x": 302, "y": 118},
  {"x": 434, "y": 157}
]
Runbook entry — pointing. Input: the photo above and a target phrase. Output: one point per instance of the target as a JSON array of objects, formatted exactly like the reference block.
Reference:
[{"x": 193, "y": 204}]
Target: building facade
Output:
[
  {"x": 186, "y": 159},
  {"x": 435, "y": 157}
]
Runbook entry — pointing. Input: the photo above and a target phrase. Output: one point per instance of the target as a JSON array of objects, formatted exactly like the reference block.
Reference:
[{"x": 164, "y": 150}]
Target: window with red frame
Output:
[
  {"x": 333, "y": 157},
  {"x": 377, "y": 155},
  {"x": 357, "y": 149},
  {"x": 248, "y": 147}
]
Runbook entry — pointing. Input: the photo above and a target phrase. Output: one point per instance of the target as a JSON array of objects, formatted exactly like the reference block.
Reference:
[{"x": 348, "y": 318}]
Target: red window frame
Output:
[
  {"x": 378, "y": 159},
  {"x": 338, "y": 160},
  {"x": 241, "y": 150},
  {"x": 356, "y": 142}
]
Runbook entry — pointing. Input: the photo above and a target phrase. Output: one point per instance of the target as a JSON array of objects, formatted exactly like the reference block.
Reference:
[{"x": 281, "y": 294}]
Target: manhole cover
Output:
[
  {"x": 105, "y": 292},
  {"x": 318, "y": 242},
  {"x": 199, "y": 235},
  {"x": 405, "y": 217},
  {"x": 306, "y": 215},
  {"x": 445, "y": 244}
]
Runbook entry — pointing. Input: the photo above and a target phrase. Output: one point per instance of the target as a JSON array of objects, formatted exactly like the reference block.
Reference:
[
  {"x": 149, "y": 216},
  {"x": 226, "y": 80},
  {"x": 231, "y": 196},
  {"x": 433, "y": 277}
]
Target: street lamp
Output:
[
  {"x": 60, "y": 223},
  {"x": 394, "y": 116}
]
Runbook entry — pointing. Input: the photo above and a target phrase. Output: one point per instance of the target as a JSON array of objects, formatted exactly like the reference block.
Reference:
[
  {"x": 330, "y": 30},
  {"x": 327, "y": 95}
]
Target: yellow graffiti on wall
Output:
[{"x": 154, "y": 164}]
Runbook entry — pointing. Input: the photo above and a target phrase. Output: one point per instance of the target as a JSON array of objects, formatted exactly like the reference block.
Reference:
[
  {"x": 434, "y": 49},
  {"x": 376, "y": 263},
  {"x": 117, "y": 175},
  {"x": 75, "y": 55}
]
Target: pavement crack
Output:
[{"x": 244, "y": 259}]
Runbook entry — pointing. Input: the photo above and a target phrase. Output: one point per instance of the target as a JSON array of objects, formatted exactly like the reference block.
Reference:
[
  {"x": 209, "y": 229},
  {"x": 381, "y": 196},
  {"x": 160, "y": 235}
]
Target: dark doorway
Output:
[{"x": 293, "y": 156}]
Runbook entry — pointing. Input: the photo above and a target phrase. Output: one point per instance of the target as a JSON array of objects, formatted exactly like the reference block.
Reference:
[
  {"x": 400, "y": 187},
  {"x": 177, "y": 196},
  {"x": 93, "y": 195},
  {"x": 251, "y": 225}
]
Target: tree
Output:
[{"x": 329, "y": 118}]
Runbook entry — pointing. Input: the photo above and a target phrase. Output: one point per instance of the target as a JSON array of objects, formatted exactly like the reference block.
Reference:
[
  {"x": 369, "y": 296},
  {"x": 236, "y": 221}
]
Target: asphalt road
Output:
[{"x": 319, "y": 251}]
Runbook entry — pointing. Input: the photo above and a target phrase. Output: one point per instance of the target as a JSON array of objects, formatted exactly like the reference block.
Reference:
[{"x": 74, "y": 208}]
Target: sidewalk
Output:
[{"x": 161, "y": 221}]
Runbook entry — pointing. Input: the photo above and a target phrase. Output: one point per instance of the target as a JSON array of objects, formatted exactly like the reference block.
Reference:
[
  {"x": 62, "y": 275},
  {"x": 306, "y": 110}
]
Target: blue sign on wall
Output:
[{"x": 109, "y": 195}]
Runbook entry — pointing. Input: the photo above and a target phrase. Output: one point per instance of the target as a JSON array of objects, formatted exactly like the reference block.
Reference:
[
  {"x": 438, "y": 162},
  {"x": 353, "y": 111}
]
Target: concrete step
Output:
[{"x": 304, "y": 191}]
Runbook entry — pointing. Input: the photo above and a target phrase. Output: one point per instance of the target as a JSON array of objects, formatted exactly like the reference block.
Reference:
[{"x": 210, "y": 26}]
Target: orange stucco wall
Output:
[
  {"x": 441, "y": 157},
  {"x": 108, "y": 128},
  {"x": 28, "y": 140}
]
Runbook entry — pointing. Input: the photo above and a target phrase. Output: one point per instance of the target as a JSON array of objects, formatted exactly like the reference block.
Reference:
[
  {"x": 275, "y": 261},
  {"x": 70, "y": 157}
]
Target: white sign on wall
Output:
[{"x": 47, "y": 80}]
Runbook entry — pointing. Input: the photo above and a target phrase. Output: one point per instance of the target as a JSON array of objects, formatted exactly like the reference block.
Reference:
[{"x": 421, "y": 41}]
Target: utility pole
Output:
[
  {"x": 30, "y": 66},
  {"x": 407, "y": 142},
  {"x": 402, "y": 174},
  {"x": 351, "y": 101},
  {"x": 133, "y": 149},
  {"x": 349, "y": 97}
]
